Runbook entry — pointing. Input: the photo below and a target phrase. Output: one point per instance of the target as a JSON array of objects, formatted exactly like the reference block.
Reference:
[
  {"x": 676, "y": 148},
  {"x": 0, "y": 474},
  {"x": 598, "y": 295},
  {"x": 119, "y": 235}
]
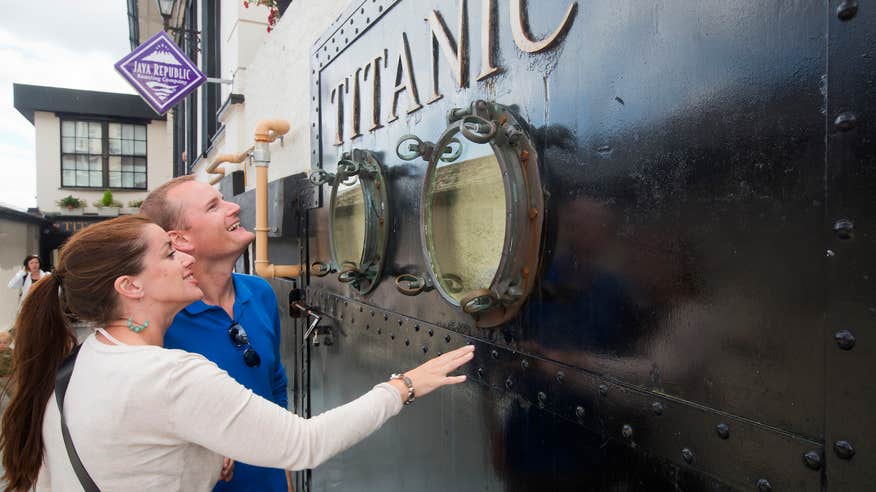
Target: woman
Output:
[
  {"x": 27, "y": 276},
  {"x": 142, "y": 417}
]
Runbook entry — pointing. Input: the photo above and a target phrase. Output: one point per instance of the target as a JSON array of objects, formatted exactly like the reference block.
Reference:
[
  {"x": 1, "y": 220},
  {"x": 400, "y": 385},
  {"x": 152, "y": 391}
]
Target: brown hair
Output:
[
  {"x": 162, "y": 211},
  {"x": 88, "y": 265}
]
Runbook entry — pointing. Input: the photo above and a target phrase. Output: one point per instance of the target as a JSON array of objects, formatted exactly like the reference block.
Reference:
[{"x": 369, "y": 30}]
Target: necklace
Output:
[{"x": 109, "y": 337}]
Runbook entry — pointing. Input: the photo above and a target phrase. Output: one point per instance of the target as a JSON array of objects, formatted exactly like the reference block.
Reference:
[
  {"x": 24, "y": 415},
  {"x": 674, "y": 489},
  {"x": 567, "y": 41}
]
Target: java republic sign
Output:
[{"x": 160, "y": 72}]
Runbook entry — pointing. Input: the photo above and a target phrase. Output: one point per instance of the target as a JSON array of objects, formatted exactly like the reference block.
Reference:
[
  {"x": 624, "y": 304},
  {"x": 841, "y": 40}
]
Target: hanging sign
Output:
[{"x": 160, "y": 72}]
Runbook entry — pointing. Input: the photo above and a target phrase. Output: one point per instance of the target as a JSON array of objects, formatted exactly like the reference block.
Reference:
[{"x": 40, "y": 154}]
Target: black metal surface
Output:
[{"x": 705, "y": 297}]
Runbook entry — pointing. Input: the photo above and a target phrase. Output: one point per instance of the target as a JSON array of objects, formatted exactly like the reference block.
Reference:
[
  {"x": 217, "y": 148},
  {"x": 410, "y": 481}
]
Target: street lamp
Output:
[{"x": 165, "y": 7}]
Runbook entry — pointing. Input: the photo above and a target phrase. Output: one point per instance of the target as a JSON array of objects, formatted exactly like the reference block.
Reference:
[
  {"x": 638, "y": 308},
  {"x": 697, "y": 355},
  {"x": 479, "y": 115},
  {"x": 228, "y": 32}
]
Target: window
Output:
[{"x": 101, "y": 154}]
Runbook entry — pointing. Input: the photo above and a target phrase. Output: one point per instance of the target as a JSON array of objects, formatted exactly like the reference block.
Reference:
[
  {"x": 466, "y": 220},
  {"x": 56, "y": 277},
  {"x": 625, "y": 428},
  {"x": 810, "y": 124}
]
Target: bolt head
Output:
[
  {"x": 687, "y": 455},
  {"x": 847, "y": 10},
  {"x": 846, "y": 121},
  {"x": 812, "y": 460},
  {"x": 580, "y": 412},
  {"x": 509, "y": 383},
  {"x": 561, "y": 376},
  {"x": 844, "y": 450},
  {"x": 723, "y": 430},
  {"x": 657, "y": 408},
  {"x": 843, "y": 228},
  {"x": 524, "y": 364},
  {"x": 603, "y": 389},
  {"x": 764, "y": 485},
  {"x": 845, "y": 340},
  {"x": 627, "y": 431},
  {"x": 542, "y": 396},
  {"x": 494, "y": 354},
  {"x": 447, "y": 339}
]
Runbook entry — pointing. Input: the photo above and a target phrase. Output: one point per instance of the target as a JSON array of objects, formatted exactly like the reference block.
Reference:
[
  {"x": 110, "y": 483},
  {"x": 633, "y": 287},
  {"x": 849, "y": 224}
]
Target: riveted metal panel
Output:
[
  {"x": 850, "y": 232},
  {"x": 677, "y": 336}
]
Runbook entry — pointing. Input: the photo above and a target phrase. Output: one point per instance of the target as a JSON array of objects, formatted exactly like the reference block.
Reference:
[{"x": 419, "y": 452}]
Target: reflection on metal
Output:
[
  {"x": 482, "y": 263},
  {"x": 267, "y": 131},
  {"x": 358, "y": 228},
  {"x": 520, "y": 31}
]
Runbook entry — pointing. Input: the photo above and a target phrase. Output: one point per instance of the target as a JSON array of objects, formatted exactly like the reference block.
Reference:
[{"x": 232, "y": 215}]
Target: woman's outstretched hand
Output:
[{"x": 433, "y": 373}]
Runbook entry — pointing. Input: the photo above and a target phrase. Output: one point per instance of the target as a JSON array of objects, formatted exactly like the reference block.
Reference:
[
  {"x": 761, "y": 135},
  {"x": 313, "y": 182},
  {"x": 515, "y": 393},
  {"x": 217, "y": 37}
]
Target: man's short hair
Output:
[{"x": 166, "y": 213}]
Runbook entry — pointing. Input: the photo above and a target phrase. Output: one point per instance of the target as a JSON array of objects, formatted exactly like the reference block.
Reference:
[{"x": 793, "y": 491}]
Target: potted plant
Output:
[
  {"x": 107, "y": 205},
  {"x": 71, "y": 204},
  {"x": 133, "y": 207}
]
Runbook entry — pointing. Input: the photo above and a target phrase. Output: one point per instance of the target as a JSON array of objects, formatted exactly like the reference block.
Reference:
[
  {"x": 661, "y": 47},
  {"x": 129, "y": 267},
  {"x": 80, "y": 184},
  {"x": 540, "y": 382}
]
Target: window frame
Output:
[{"x": 104, "y": 154}]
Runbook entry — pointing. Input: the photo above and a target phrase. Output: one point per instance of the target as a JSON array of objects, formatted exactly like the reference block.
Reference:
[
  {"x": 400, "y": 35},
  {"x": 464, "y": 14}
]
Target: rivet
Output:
[
  {"x": 407, "y": 341},
  {"x": 494, "y": 354},
  {"x": 509, "y": 383},
  {"x": 392, "y": 336},
  {"x": 480, "y": 372},
  {"x": 447, "y": 339},
  {"x": 431, "y": 332},
  {"x": 603, "y": 389},
  {"x": 812, "y": 459},
  {"x": 846, "y": 121},
  {"x": 367, "y": 327},
  {"x": 372, "y": 312},
  {"x": 360, "y": 309},
  {"x": 687, "y": 455},
  {"x": 385, "y": 316},
  {"x": 561, "y": 376},
  {"x": 657, "y": 408},
  {"x": 764, "y": 485},
  {"x": 830, "y": 253},
  {"x": 416, "y": 327},
  {"x": 542, "y": 396},
  {"x": 844, "y": 339},
  {"x": 844, "y": 450},
  {"x": 580, "y": 412},
  {"x": 524, "y": 364},
  {"x": 400, "y": 322},
  {"x": 843, "y": 228},
  {"x": 847, "y": 10},
  {"x": 379, "y": 331},
  {"x": 424, "y": 349},
  {"x": 627, "y": 431},
  {"x": 723, "y": 430}
]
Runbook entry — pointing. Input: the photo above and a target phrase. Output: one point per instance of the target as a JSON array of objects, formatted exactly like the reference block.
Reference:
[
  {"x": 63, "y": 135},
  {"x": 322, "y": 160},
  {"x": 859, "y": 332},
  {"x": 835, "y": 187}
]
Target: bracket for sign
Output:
[{"x": 212, "y": 80}]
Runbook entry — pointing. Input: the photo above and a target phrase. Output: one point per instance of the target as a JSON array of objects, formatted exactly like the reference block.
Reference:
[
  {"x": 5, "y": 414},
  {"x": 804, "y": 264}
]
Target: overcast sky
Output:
[{"x": 57, "y": 43}]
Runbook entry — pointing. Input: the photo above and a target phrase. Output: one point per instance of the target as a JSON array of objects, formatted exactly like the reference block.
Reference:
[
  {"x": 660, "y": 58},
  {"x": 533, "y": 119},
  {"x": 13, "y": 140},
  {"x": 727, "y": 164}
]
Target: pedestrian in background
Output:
[
  {"x": 5, "y": 368},
  {"x": 27, "y": 276}
]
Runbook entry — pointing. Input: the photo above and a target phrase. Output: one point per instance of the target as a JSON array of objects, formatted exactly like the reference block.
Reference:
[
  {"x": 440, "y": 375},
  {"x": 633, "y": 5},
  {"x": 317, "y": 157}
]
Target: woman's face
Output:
[
  {"x": 167, "y": 276},
  {"x": 33, "y": 264}
]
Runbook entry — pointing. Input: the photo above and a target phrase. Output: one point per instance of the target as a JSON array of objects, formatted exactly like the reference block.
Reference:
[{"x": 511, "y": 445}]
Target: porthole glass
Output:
[
  {"x": 465, "y": 220},
  {"x": 358, "y": 219},
  {"x": 348, "y": 225}
]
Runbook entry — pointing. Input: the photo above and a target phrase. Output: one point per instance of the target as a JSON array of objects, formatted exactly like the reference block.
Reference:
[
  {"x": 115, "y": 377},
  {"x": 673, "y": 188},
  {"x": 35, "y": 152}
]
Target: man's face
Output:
[{"x": 211, "y": 227}]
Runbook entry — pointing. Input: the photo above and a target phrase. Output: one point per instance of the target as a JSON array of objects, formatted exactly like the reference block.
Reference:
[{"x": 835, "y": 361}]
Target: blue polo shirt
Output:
[{"x": 203, "y": 329}]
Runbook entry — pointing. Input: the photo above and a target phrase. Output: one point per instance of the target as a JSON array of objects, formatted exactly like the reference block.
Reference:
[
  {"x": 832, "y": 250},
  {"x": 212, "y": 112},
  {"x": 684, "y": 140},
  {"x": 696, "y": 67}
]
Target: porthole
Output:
[
  {"x": 357, "y": 220},
  {"x": 481, "y": 213}
]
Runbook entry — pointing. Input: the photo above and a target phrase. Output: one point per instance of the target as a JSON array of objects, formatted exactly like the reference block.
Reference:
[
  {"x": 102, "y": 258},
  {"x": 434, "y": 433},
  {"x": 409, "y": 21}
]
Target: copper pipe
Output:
[
  {"x": 266, "y": 132},
  {"x": 222, "y": 159}
]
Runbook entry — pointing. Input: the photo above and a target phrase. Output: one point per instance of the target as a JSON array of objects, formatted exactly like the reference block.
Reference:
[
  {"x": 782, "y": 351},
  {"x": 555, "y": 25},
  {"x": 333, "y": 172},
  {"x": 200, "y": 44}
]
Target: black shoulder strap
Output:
[{"x": 62, "y": 379}]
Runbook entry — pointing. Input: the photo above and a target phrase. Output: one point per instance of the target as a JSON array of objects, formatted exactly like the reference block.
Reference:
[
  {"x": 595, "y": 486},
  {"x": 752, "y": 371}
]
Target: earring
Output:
[{"x": 136, "y": 328}]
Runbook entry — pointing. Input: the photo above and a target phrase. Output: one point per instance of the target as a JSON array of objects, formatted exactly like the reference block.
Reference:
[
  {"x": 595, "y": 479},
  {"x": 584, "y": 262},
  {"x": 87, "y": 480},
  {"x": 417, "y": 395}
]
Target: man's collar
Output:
[{"x": 242, "y": 295}]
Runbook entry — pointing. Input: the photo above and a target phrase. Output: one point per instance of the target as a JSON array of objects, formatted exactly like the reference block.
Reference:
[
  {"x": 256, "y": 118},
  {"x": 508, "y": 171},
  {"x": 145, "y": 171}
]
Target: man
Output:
[{"x": 236, "y": 325}]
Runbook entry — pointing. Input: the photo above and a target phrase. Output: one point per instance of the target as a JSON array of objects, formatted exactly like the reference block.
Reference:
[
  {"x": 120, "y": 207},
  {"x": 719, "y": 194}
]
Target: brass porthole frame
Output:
[
  {"x": 515, "y": 276},
  {"x": 364, "y": 166}
]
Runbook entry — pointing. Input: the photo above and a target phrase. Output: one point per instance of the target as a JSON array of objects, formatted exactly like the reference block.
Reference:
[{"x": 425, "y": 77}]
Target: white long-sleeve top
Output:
[
  {"x": 22, "y": 280},
  {"x": 150, "y": 418}
]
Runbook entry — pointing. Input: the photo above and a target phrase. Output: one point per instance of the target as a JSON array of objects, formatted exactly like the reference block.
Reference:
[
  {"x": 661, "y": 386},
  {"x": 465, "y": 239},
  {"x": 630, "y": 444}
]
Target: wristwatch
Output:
[{"x": 408, "y": 383}]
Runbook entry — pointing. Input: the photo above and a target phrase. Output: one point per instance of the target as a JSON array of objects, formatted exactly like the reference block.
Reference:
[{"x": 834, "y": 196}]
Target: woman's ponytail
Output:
[{"x": 43, "y": 338}]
